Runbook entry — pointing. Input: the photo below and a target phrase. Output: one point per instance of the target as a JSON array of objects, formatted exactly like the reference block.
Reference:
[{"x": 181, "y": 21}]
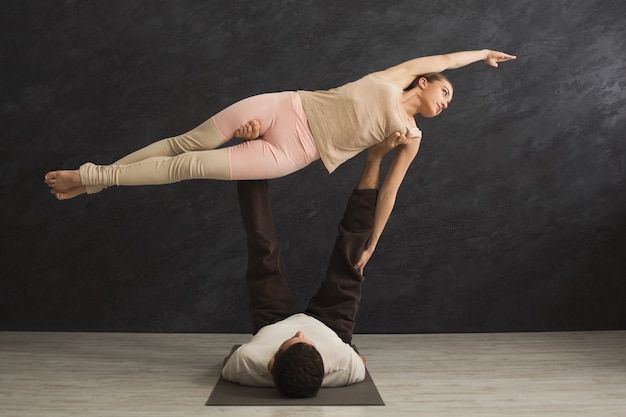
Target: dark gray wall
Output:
[{"x": 512, "y": 217}]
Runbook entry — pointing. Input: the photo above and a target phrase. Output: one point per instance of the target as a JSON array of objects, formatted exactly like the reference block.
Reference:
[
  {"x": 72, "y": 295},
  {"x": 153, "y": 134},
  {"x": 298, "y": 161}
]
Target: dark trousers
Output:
[{"x": 337, "y": 301}]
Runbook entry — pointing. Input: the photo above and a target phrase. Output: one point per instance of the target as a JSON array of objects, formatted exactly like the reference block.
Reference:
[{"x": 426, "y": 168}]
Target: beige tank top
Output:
[{"x": 348, "y": 119}]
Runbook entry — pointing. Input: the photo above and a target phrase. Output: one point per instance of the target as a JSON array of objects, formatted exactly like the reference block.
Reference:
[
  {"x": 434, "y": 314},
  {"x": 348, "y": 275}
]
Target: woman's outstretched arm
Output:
[
  {"x": 387, "y": 196},
  {"x": 405, "y": 73}
]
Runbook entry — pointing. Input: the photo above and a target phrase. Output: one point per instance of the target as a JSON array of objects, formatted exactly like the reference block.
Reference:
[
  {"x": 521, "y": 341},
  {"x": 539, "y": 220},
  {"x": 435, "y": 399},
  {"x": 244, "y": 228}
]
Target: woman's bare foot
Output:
[
  {"x": 63, "y": 181},
  {"x": 249, "y": 131},
  {"x": 71, "y": 193}
]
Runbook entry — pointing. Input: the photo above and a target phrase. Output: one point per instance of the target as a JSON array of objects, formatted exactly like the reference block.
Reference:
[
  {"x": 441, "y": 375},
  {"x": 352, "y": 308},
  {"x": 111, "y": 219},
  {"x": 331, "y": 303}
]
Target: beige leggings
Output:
[
  {"x": 144, "y": 163},
  {"x": 286, "y": 145}
]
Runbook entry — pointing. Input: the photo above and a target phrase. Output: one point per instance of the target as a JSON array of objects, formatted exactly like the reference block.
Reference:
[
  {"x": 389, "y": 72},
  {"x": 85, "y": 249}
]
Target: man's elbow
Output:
[{"x": 387, "y": 196}]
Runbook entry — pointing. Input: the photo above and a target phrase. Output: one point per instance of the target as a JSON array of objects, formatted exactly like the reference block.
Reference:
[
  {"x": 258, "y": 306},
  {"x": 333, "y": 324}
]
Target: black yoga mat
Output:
[{"x": 228, "y": 393}]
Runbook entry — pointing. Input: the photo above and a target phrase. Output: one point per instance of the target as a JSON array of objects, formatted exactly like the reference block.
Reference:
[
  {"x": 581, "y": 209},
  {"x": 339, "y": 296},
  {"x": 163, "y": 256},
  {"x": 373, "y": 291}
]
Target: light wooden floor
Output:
[{"x": 127, "y": 374}]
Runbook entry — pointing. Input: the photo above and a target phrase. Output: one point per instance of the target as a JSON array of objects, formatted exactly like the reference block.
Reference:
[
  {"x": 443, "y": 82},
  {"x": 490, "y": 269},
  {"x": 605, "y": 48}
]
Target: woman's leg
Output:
[
  {"x": 254, "y": 159},
  {"x": 204, "y": 137},
  {"x": 286, "y": 147},
  {"x": 249, "y": 131},
  {"x": 172, "y": 146},
  {"x": 211, "y": 164},
  {"x": 287, "y": 144}
]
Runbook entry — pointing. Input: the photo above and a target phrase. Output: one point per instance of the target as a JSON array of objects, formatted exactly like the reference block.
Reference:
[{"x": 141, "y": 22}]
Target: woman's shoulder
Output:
[
  {"x": 380, "y": 78},
  {"x": 372, "y": 84}
]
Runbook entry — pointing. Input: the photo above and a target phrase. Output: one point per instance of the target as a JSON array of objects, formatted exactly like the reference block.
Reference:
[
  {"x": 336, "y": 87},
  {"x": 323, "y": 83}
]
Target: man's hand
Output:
[
  {"x": 365, "y": 257},
  {"x": 371, "y": 169},
  {"x": 393, "y": 141}
]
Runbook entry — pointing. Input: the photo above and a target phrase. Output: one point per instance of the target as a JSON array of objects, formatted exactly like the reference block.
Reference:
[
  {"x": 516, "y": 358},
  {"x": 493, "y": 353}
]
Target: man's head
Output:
[{"x": 297, "y": 367}]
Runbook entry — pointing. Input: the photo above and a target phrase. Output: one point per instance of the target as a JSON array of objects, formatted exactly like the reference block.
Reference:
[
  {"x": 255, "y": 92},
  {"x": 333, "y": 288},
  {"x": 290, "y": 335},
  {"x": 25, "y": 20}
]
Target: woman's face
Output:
[{"x": 435, "y": 97}]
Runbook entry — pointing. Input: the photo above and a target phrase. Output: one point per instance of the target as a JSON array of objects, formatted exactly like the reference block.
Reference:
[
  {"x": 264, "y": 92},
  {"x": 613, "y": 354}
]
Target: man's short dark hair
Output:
[{"x": 298, "y": 371}]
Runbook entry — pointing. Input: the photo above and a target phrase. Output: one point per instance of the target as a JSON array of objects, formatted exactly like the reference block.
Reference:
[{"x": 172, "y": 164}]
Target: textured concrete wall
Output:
[{"x": 512, "y": 217}]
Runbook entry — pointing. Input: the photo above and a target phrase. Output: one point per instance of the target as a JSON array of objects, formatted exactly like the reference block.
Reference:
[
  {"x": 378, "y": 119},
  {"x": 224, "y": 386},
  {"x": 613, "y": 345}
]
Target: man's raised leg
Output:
[
  {"x": 337, "y": 301},
  {"x": 269, "y": 297}
]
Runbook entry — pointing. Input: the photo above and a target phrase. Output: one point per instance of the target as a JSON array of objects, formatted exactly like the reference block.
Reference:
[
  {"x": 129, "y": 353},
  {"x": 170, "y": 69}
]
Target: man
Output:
[{"x": 299, "y": 352}]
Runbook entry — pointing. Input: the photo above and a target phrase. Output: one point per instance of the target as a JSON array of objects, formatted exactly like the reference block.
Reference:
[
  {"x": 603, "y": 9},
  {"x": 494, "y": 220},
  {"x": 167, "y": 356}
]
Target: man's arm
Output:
[
  {"x": 363, "y": 359},
  {"x": 336, "y": 301},
  {"x": 371, "y": 170},
  {"x": 387, "y": 195},
  {"x": 226, "y": 359}
]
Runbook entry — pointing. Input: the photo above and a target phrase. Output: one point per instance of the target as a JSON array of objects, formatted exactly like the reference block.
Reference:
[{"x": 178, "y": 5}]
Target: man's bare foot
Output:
[
  {"x": 249, "y": 131},
  {"x": 63, "y": 181},
  {"x": 396, "y": 139},
  {"x": 71, "y": 193}
]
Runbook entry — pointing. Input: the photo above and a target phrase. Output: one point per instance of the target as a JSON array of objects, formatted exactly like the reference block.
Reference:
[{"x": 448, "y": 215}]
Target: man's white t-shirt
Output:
[{"x": 248, "y": 364}]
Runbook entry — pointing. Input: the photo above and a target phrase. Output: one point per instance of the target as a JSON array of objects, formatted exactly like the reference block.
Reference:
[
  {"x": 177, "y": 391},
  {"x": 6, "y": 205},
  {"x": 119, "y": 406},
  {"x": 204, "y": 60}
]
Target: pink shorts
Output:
[{"x": 286, "y": 144}]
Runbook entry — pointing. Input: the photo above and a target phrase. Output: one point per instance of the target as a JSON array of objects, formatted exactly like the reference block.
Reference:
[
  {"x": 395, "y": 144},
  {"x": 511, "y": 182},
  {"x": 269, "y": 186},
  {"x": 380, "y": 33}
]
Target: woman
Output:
[{"x": 293, "y": 130}]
